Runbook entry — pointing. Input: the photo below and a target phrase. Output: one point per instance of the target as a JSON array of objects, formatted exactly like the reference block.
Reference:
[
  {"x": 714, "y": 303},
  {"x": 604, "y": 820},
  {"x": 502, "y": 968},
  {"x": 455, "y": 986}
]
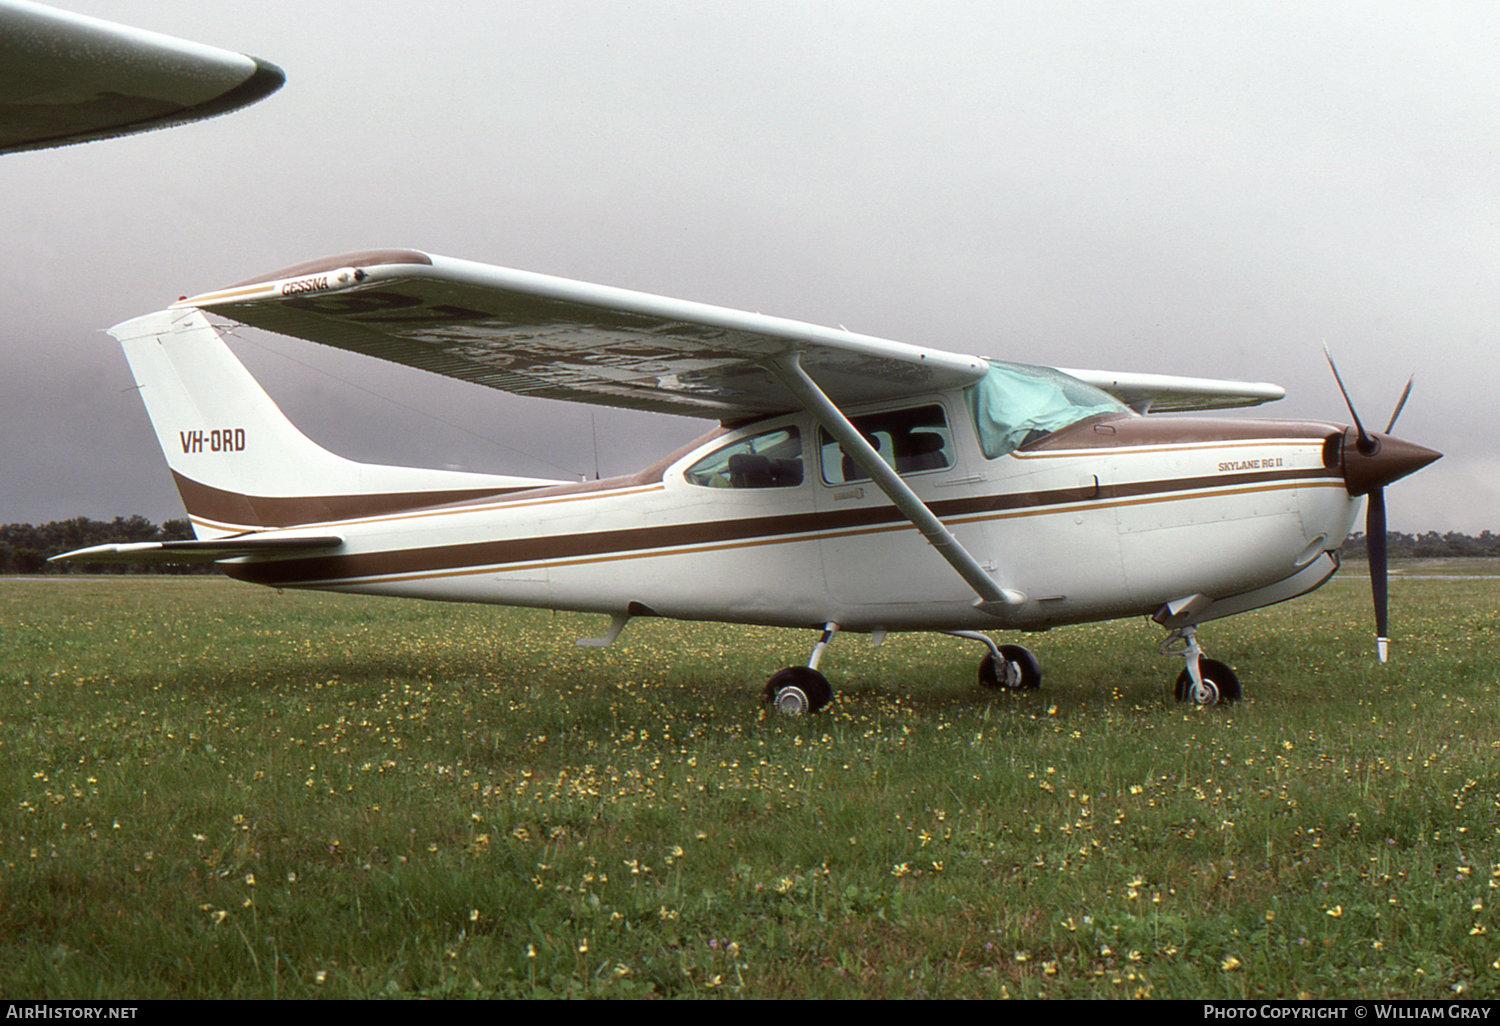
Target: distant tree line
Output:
[
  {"x": 1426, "y": 546},
  {"x": 25, "y": 548}
]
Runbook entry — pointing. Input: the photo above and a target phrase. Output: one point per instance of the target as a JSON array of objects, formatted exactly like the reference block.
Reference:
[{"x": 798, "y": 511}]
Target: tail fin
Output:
[{"x": 239, "y": 463}]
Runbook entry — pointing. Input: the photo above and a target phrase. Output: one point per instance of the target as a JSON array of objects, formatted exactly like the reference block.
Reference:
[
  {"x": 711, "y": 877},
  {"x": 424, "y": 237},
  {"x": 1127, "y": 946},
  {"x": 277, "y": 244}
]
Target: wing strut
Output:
[{"x": 993, "y": 599}]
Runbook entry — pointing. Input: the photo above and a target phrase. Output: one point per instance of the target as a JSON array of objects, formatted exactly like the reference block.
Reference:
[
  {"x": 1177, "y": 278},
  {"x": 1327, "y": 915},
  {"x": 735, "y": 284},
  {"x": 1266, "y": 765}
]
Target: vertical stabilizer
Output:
[{"x": 239, "y": 463}]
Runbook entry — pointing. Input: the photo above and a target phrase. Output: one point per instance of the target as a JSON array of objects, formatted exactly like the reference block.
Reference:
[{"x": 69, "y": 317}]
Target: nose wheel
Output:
[
  {"x": 1216, "y": 684},
  {"x": 1204, "y": 681}
]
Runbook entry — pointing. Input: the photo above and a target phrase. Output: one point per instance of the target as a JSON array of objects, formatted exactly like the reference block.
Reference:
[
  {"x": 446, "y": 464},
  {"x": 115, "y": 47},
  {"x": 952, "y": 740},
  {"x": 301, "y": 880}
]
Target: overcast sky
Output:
[{"x": 1186, "y": 188}]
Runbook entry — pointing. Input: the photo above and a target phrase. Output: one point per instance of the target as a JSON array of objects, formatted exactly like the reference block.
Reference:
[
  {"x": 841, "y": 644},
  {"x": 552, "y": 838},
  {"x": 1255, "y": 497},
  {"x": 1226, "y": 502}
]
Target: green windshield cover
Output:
[{"x": 1015, "y": 404}]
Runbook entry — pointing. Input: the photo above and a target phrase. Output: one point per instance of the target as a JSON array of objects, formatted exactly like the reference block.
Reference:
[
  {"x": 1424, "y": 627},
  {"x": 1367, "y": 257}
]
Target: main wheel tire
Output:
[
  {"x": 1220, "y": 685},
  {"x": 797, "y": 690},
  {"x": 1019, "y": 672}
]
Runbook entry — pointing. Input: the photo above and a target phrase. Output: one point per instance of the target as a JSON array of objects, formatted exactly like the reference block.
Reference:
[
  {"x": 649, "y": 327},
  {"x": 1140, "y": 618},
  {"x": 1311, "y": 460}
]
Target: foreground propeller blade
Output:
[
  {"x": 1375, "y": 545},
  {"x": 1366, "y": 444}
]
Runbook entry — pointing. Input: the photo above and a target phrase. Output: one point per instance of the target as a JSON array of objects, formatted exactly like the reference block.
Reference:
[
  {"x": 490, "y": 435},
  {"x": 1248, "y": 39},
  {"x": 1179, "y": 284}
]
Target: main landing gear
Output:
[
  {"x": 1204, "y": 681},
  {"x": 798, "y": 690},
  {"x": 1006, "y": 667}
]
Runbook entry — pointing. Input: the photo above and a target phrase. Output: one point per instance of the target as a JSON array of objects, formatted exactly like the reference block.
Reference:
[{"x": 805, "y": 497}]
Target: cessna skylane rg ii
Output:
[{"x": 851, "y": 484}]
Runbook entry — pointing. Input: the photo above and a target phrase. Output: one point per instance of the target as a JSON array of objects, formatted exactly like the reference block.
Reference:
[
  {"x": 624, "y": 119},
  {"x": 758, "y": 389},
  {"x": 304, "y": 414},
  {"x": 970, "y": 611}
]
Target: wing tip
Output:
[{"x": 265, "y": 79}]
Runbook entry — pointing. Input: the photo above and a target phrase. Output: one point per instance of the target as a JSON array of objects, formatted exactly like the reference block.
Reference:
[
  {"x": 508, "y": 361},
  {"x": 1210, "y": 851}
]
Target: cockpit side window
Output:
[
  {"x": 1014, "y": 405},
  {"x": 909, "y": 441},
  {"x": 772, "y": 459}
]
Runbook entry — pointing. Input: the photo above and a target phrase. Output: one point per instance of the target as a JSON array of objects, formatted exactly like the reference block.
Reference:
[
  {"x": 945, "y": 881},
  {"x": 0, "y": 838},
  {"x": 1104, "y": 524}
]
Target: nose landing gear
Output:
[{"x": 1204, "y": 681}]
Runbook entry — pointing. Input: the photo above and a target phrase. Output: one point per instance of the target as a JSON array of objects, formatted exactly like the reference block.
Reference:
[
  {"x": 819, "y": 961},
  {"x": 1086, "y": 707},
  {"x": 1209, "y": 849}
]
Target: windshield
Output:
[{"x": 1015, "y": 404}]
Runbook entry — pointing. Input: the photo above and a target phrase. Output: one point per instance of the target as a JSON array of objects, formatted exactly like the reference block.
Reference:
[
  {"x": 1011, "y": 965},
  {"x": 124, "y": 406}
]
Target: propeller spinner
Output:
[{"x": 1371, "y": 461}]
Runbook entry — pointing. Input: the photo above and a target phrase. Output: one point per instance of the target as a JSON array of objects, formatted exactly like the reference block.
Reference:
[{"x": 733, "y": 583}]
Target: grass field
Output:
[{"x": 211, "y": 790}]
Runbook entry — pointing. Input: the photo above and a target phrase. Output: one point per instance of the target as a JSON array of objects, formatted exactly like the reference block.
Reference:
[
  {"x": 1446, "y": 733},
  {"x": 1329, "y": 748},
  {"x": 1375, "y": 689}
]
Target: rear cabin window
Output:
[
  {"x": 910, "y": 441},
  {"x": 772, "y": 459},
  {"x": 1014, "y": 405}
]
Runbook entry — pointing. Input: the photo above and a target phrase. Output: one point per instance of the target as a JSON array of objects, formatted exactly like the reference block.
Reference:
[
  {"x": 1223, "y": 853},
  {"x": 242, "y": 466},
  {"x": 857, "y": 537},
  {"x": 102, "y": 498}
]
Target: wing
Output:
[
  {"x": 538, "y": 335},
  {"x": 1163, "y": 393},
  {"x": 200, "y": 551},
  {"x": 66, "y": 78}
]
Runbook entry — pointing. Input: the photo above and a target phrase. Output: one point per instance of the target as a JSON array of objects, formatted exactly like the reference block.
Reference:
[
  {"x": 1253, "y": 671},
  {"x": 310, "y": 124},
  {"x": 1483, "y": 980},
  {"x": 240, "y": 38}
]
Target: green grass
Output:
[{"x": 211, "y": 790}]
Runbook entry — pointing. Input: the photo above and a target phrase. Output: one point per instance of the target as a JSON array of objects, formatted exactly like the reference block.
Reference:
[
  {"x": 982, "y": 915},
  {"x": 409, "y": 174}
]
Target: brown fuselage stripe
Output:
[
  {"x": 231, "y": 508},
  {"x": 503, "y": 552}
]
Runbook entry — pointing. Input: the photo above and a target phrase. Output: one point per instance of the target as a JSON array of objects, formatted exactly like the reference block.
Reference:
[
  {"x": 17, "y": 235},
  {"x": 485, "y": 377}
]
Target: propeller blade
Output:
[
  {"x": 1375, "y": 545},
  {"x": 1400, "y": 404},
  {"x": 1366, "y": 444},
  {"x": 1380, "y": 461}
]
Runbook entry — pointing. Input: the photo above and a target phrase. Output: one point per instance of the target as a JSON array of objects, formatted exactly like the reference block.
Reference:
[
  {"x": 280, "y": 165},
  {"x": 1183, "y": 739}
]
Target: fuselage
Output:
[{"x": 769, "y": 523}]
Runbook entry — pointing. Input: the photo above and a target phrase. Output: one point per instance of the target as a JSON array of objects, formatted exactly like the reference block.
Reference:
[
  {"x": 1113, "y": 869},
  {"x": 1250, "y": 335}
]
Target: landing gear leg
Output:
[
  {"x": 798, "y": 690},
  {"x": 1204, "y": 681},
  {"x": 1006, "y": 667}
]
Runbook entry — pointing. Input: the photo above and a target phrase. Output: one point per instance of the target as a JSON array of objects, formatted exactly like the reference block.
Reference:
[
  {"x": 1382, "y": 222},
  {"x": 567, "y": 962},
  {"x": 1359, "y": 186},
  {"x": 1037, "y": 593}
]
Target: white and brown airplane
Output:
[{"x": 851, "y": 483}]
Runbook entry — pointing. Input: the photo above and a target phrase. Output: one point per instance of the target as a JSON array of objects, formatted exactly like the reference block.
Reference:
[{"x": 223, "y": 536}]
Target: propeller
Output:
[{"x": 1377, "y": 461}]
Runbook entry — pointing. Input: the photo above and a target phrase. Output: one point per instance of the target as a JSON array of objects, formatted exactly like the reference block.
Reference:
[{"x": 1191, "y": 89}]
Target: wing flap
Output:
[
  {"x": 535, "y": 334},
  {"x": 199, "y": 551}
]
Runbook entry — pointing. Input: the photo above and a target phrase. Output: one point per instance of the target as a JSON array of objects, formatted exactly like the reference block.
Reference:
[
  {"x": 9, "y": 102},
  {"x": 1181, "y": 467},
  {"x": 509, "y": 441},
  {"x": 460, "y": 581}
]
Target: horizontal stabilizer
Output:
[{"x": 199, "y": 551}]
